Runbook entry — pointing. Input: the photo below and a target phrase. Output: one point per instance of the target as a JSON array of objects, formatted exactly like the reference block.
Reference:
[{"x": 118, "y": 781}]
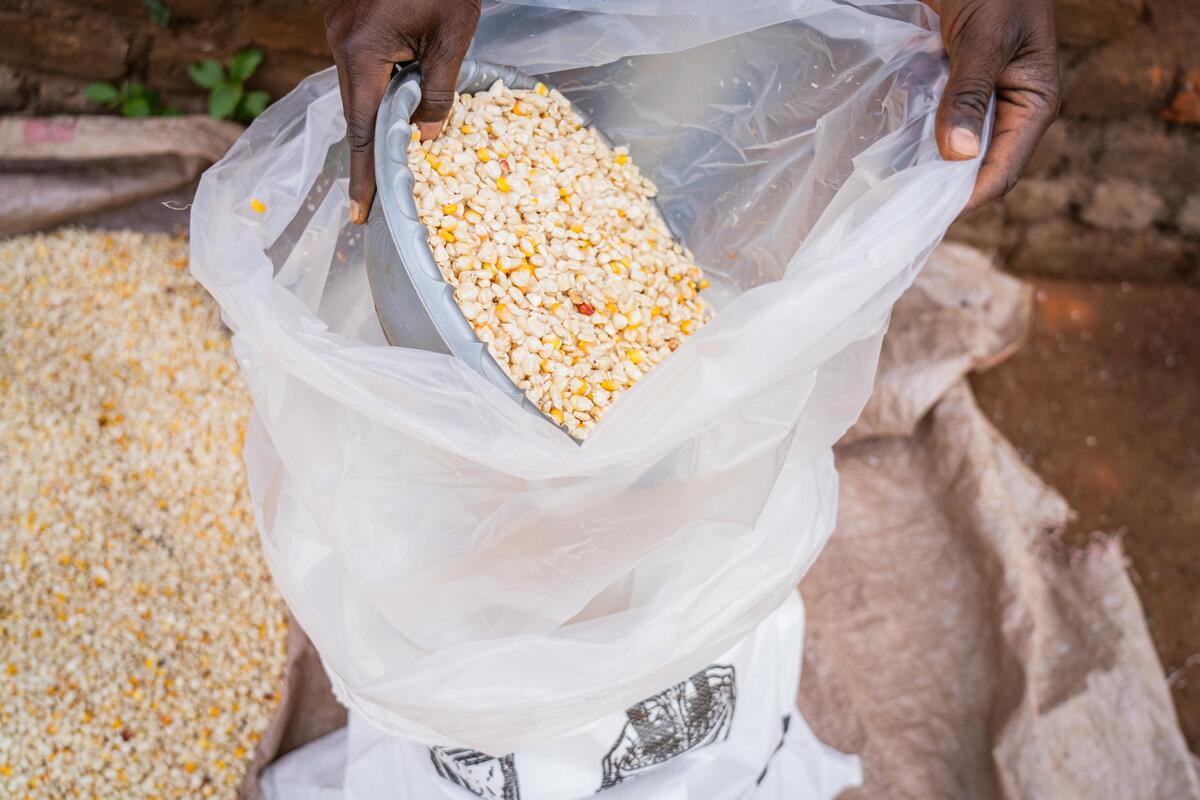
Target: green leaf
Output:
[
  {"x": 159, "y": 13},
  {"x": 167, "y": 111},
  {"x": 253, "y": 104},
  {"x": 206, "y": 73},
  {"x": 245, "y": 63},
  {"x": 136, "y": 107},
  {"x": 104, "y": 94},
  {"x": 223, "y": 100},
  {"x": 133, "y": 89}
]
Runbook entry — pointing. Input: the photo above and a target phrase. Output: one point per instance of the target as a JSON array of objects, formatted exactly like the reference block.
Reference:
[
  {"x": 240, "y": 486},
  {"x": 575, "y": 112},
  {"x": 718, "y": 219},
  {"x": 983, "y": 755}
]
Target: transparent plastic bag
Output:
[{"x": 471, "y": 576}]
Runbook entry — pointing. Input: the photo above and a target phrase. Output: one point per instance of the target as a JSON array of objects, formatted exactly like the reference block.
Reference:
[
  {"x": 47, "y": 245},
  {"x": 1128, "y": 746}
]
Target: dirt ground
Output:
[{"x": 1103, "y": 400}]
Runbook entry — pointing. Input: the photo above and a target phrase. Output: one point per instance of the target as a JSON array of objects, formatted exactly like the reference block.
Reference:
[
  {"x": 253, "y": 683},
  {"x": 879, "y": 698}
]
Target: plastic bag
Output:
[
  {"x": 729, "y": 732},
  {"x": 469, "y": 575}
]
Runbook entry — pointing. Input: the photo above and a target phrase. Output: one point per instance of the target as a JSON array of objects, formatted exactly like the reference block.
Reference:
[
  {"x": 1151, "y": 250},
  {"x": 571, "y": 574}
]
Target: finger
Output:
[
  {"x": 363, "y": 81},
  {"x": 963, "y": 108},
  {"x": 440, "y": 63},
  {"x": 1022, "y": 117}
]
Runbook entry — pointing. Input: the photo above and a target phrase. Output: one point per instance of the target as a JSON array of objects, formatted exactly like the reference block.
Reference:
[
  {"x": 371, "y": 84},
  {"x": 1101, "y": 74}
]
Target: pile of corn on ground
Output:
[{"x": 142, "y": 644}]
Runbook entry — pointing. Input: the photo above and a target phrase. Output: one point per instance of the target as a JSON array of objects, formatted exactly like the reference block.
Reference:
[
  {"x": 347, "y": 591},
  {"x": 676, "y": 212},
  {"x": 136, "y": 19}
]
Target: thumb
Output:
[
  {"x": 363, "y": 83},
  {"x": 440, "y": 63},
  {"x": 964, "y": 105}
]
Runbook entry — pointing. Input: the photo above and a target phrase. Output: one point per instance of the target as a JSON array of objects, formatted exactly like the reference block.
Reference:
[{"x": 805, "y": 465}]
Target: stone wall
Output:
[
  {"x": 51, "y": 49},
  {"x": 1113, "y": 191}
]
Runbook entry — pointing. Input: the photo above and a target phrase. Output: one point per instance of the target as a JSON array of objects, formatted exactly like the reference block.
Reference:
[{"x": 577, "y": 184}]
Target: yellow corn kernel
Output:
[
  {"x": 583, "y": 390},
  {"x": 621, "y": 212},
  {"x": 584, "y": 346},
  {"x": 257, "y": 205},
  {"x": 557, "y": 415},
  {"x": 541, "y": 89},
  {"x": 686, "y": 327},
  {"x": 677, "y": 278},
  {"x": 622, "y": 159},
  {"x": 447, "y": 235},
  {"x": 450, "y": 208},
  {"x": 519, "y": 109},
  {"x": 416, "y": 134},
  {"x": 431, "y": 160},
  {"x": 503, "y": 185},
  {"x": 576, "y": 228},
  {"x": 657, "y": 310},
  {"x": 553, "y": 341},
  {"x": 503, "y": 312},
  {"x": 703, "y": 283},
  {"x": 483, "y": 155},
  {"x": 610, "y": 308},
  {"x": 609, "y": 385},
  {"x": 562, "y": 191},
  {"x": 543, "y": 364},
  {"x": 635, "y": 356},
  {"x": 556, "y": 308},
  {"x": 6, "y": 770},
  {"x": 442, "y": 169},
  {"x": 466, "y": 129}
]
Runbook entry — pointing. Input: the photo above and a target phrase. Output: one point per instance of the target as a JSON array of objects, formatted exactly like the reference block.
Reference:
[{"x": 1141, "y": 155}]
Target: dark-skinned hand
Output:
[
  {"x": 1007, "y": 47},
  {"x": 1002, "y": 46},
  {"x": 368, "y": 37}
]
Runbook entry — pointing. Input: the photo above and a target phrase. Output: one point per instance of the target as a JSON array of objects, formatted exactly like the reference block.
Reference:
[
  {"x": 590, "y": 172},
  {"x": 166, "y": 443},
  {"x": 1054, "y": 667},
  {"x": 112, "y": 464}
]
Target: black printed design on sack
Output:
[
  {"x": 787, "y": 722},
  {"x": 691, "y": 714},
  {"x": 482, "y": 775}
]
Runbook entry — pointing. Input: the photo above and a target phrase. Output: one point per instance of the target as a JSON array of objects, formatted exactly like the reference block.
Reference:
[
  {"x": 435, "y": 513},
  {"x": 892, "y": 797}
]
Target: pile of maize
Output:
[{"x": 142, "y": 644}]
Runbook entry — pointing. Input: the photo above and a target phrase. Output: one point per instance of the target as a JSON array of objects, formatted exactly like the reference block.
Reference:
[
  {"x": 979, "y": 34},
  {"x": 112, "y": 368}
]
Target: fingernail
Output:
[
  {"x": 430, "y": 130},
  {"x": 964, "y": 142},
  {"x": 356, "y": 213}
]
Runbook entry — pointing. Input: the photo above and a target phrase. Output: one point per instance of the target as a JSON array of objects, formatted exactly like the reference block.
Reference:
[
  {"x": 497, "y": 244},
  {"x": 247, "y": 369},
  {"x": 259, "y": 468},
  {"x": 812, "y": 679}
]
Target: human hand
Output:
[
  {"x": 1005, "y": 46},
  {"x": 367, "y": 38}
]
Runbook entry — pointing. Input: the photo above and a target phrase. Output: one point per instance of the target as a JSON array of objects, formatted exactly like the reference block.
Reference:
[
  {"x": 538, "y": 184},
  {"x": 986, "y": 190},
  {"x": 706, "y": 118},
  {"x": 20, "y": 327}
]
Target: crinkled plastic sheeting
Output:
[{"x": 468, "y": 574}]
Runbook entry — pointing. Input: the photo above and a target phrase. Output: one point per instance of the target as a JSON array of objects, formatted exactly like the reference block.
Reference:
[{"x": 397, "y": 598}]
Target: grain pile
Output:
[
  {"x": 558, "y": 256},
  {"x": 141, "y": 641}
]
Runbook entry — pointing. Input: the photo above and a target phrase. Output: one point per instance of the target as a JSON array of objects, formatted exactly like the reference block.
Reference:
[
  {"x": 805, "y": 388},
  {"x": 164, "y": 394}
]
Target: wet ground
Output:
[{"x": 1103, "y": 400}]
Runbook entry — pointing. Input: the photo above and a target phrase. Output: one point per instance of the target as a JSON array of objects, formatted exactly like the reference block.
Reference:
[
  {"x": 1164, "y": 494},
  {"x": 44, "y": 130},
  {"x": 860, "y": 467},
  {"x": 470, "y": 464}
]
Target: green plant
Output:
[
  {"x": 131, "y": 98},
  {"x": 227, "y": 96},
  {"x": 160, "y": 12}
]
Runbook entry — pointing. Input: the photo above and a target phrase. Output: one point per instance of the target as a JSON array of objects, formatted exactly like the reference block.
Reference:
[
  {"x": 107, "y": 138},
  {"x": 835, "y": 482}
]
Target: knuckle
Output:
[
  {"x": 337, "y": 24},
  {"x": 971, "y": 95},
  {"x": 360, "y": 133},
  {"x": 1010, "y": 182}
]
